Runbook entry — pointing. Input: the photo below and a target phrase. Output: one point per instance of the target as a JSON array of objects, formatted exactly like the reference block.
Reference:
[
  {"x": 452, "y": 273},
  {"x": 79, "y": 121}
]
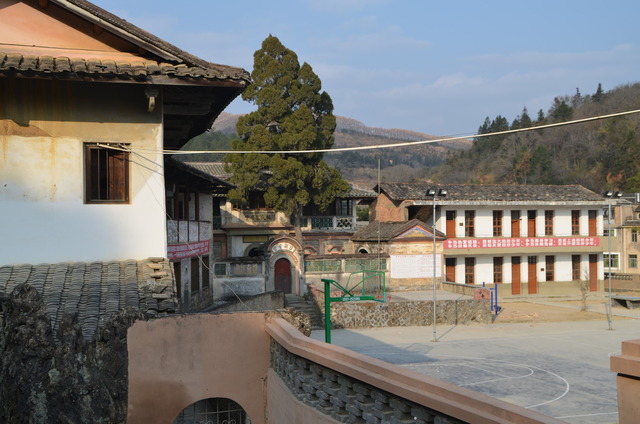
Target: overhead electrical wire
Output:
[{"x": 384, "y": 146}]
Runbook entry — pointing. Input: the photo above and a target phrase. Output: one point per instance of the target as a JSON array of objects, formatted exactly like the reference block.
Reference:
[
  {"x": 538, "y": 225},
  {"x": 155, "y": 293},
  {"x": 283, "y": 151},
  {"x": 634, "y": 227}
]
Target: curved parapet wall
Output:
[{"x": 340, "y": 382}]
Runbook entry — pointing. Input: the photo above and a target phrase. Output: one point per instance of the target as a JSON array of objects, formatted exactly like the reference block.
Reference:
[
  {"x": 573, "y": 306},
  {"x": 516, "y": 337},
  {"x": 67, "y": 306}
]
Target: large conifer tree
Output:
[{"x": 292, "y": 114}]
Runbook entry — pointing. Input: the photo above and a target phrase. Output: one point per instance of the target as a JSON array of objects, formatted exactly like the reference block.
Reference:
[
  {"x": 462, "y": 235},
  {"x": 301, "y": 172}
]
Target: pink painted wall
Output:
[{"x": 177, "y": 361}]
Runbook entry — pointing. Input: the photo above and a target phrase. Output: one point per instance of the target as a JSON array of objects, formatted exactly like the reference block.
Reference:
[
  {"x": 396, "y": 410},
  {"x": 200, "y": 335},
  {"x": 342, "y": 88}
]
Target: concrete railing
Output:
[{"x": 346, "y": 386}]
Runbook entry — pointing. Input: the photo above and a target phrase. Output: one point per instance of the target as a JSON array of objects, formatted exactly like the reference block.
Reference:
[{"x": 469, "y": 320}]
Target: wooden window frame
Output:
[
  {"x": 469, "y": 223},
  {"x": 575, "y": 222},
  {"x": 107, "y": 174},
  {"x": 575, "y": 267},
  {"x": 497, "y": 223},
  {"x": 469, "y": 270},
  {"x": 549, "y": 267},
  {"x": 548, "y": 223},
  {"x": 498, "y": 269}
]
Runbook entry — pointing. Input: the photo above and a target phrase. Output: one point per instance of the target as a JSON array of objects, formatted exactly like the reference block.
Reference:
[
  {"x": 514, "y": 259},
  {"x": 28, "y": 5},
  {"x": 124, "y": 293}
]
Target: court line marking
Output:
[{"x": 566, "y": 383}]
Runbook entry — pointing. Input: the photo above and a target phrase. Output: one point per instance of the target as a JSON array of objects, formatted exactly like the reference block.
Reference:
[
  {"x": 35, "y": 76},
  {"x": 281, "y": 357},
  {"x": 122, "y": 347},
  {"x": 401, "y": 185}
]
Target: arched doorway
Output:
[
  {"x": 282, "y": 275},
  {"x": 214, "y": 410}
]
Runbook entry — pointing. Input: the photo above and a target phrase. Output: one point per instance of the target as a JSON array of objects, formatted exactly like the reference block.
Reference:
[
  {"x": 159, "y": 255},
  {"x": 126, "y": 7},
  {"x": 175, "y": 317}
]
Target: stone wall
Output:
[
  {"x": 406, "y": 313},
  {"x": 64, "y": 379}
]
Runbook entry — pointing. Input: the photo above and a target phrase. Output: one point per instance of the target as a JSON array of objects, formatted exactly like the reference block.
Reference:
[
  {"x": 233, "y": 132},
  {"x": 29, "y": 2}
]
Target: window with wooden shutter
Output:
[{"x": 106, "y": 173}]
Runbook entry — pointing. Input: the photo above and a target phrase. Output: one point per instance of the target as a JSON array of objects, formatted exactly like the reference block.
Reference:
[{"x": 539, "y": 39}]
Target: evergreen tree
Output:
[
  {"x": 598, "y": 95},
  {"x": 292, "y": 114}
]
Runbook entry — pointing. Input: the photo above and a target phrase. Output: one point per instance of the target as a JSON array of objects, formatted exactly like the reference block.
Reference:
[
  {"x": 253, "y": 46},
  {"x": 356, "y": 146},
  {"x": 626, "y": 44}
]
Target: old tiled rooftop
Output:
[
  {"x": 492, "y": 193},
  {"x": 385, "y": 231},
  {"x": 130, "y": 69},
  {"x": 95, "y": 291}
]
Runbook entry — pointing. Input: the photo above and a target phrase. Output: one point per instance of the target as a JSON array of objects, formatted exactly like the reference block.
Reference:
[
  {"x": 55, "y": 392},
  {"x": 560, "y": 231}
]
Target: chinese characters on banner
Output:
[
  {"x": 497, "y": 243},
  {"x": 187, "y": 250}
]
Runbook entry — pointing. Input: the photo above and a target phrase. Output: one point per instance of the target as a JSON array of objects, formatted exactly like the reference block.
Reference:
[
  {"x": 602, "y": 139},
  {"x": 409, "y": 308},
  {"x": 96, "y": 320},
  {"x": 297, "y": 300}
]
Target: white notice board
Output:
[{"x": 415, "y": 266}]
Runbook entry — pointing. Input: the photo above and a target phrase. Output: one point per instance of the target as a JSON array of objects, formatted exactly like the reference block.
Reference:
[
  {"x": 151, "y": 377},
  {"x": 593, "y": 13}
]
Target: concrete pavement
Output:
[{"x": 558, "y": 368}]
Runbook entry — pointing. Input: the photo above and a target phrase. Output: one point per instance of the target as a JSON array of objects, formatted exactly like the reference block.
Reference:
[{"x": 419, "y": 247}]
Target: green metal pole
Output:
[{"x": 327, "y": 311}]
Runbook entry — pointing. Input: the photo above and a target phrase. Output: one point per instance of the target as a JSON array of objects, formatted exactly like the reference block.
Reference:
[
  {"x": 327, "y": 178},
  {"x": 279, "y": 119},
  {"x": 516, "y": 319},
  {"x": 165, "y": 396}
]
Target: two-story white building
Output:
[
  {"x": 535, "y": 238},
  {"x": 88, "y": 103}
]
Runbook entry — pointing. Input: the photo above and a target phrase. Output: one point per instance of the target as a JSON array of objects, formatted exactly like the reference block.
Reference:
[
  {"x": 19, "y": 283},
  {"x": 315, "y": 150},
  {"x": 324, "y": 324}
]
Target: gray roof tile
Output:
[
  {"x": 492, "y": 193},
  {"x": 95, "y": 291},
  {"x": 386, "y": 231}
]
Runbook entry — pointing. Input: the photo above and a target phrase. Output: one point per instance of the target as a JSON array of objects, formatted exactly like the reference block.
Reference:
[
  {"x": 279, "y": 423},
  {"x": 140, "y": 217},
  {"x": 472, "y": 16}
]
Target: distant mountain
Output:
[{"x": 398, "y": 164}]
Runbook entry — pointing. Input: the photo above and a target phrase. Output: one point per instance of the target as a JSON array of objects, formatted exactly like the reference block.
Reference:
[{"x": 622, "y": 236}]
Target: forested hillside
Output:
[{"x": 602, "y": 154}]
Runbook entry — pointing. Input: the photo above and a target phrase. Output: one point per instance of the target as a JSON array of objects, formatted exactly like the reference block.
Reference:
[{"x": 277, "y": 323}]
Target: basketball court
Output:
[{"x": 559, "y": 369}]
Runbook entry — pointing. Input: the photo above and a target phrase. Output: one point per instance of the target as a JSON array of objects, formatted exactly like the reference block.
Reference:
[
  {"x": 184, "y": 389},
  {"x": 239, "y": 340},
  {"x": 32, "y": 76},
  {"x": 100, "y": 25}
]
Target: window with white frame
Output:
[
  {"x": 611, "y": 260},
  {"x": 633, "y": 261}
]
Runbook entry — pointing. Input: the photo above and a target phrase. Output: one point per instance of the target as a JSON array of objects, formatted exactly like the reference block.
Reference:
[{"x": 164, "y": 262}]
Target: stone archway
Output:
[{"x": 213, "y": 410}]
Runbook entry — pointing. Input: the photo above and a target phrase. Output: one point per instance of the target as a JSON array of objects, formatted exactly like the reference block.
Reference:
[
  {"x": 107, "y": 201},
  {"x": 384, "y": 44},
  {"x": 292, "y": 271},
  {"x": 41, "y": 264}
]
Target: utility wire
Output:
[{"x": 390, "y": 145}]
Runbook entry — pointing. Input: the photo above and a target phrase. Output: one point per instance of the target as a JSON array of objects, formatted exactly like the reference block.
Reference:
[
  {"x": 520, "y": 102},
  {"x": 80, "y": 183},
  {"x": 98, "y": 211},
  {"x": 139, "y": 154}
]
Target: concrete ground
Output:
[{"x": 540, "y": 353}]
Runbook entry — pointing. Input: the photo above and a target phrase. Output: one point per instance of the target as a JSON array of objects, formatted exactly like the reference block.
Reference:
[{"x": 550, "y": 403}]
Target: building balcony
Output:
[
  {"x": 329, "y": 222},
  {"x": 183, "y": 231}
]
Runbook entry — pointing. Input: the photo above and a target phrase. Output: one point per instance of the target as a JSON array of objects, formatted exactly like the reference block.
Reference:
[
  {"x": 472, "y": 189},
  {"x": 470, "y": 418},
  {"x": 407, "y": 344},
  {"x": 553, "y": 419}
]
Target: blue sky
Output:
[{"x": 434, "y": 67}]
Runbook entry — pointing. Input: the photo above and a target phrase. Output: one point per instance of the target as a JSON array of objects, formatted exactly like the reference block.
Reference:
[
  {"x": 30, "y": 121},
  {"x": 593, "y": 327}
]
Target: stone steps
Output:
[{"x": 308, "y": 307}]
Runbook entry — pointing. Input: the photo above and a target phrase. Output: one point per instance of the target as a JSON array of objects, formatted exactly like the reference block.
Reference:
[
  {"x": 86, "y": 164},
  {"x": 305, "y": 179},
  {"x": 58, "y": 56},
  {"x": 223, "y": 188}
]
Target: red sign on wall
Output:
[
  {"x": 516, "y": 242},
  {"x": 187, "y": 250}
]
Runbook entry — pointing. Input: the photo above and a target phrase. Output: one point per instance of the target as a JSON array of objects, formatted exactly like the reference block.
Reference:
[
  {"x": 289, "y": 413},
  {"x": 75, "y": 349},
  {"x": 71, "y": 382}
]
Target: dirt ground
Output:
[{"x": 523, "y": 311}]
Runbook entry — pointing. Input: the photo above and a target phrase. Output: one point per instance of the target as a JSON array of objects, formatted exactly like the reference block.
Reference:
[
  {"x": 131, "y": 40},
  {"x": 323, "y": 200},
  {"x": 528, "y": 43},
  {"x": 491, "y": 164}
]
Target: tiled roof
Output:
[
  {"x": 95, "y": 291},
  {"x": 191, "y": 174},
  {"x": 161, "y": 57},
  {"x": 385, "y": 231},
  {"x": 132, "y": 69},
  {"x": 360, "y": 192},
  {"x": 492, "y": 193},
  {"x": 215, "y": 169},
  {"x": 102, "y": 17}
]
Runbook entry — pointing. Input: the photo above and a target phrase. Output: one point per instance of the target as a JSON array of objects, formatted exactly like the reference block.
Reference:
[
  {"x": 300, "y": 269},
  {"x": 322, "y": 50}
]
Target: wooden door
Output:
[
  {"x": 532, "y": 274},
  {"x": 531, "y": 223},
  {"x": 515, "y": 275},
  {"x": 450, "y": 269},
  {"x": 451, "y": 225},
  {"x": 515, "y": 223},
  {"x": 282, "y": 275},
  {"x": 593, "y": 216},
  {"x": 593, "y": 272}
]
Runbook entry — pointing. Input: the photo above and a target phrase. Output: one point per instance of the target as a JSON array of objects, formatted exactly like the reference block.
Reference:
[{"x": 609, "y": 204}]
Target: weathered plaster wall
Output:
[
  {"x": 177, "y": 361},
  {"x": 43, "y": 125}
]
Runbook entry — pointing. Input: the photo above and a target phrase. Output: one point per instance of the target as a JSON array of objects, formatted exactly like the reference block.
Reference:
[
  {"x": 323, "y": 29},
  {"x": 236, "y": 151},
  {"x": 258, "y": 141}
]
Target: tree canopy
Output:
[
  {"x": 293, "y": 114},
  {"x": 601, "y": 155}
]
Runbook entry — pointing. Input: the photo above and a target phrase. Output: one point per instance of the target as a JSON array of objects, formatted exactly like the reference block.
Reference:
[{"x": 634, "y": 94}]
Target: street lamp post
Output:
[
  {"x": 609, "y": 195},
  {"x": 435, "y": 193}
]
